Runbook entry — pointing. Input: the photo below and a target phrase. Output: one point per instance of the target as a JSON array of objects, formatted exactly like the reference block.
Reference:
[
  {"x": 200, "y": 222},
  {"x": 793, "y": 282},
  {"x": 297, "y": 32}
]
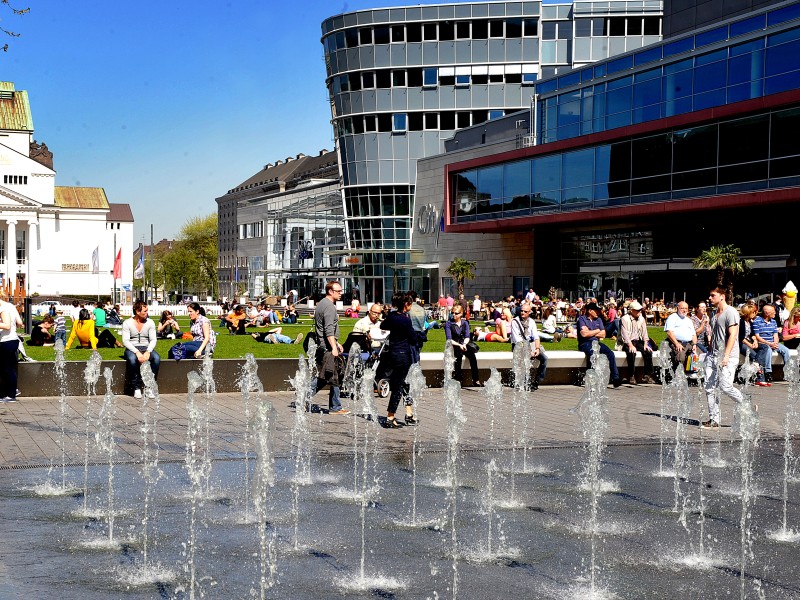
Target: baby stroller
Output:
[{"x": 369, "y": 357}]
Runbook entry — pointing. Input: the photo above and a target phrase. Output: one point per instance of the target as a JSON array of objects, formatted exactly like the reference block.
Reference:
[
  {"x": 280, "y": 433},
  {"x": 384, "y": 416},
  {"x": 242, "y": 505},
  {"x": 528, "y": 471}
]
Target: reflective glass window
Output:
[
  {"x": 620, "y": 64},
  {"x": 618, "y": 100},
  {"x": 783, "y": 58},
  {"x": 647, "y": 56},
  {"x": 646, "y": 93},
  {"x": 400, "y": 122},
  {"x": 381, "y": 35},
  {"x": 569, "y": 113},
  {"x": 782, "y": 15},
  {"x": 650, "y": 185},
  {"x": 546, "y": 173},
  {"x": 746, "y": 91},
  {"x": 709, "y": 99},
  {"x": 429, "y": 77},
  {"x": 784, "y": 167},
  {"x": 694, "y": 179},
  {"x": 577, "y": 168},
  {"x": 745, "y": 67},
  {"x": 785, "y": 126},
  {"x": 694, "y": 148},
  {"x": 709, "y": 37},
  {"x": 583, "y": 27},
  {"x": 651, "y": 155},
  {"x": 517, "y": 185},
  {"x": 753, "y": 171},
  {"x": 784, "y": 36},
  {"x": 490, "y": 189},
  {"x": 466, "y": 193},
  {"x": 678, "y": 46},
  {"x": 710, "y": 77},
  {"x": 747, "y": 25},
  {"x": 782, "y": 83},
  {"x": 744, "y": 140}
]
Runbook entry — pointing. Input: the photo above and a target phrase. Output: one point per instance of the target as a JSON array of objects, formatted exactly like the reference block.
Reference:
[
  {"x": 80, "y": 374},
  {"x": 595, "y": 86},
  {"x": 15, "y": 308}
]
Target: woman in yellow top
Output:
[{"x": 85, "y": 331}]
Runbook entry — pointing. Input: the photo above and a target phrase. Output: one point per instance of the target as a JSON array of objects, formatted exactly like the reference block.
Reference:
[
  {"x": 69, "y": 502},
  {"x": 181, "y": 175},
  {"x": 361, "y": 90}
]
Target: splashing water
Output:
[
  {"x": 198, "y": 467},
  {"x": 593, "y": 411},
  {"x": 301, "y": 439},
  {"x": 104, "y": 438},
  {"x": 791, "y": 424},
  {"x": 455, "y": 424},
  {"x": 264, "y": 481},
  {"x": 248, "y": 383},
  {"x": 150, "y": 469},
  {"x": 90, "y": 376},
  {"x": 416, "y": 389},
  {"x": 493, "y": 392}
]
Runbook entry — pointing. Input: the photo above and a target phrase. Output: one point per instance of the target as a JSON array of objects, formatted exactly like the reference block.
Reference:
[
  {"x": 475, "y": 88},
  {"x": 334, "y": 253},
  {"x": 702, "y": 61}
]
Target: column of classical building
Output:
[
  {"x": 30, "y": 251},
  {"x": 11, "y": 252}
]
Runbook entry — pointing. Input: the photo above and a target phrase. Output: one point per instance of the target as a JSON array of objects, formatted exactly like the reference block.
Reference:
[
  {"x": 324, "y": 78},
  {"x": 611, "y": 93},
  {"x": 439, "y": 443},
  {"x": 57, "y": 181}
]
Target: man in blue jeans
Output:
[
  {"x": 590, "y": 327},
  {"x": 765, "y": 331},
  {"x": 326, "y": 326}
]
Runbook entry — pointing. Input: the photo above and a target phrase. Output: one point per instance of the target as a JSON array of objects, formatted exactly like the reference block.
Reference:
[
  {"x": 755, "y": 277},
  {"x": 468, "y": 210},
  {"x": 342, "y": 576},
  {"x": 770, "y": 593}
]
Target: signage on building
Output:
[
  {"x": 353, "y": 259},
  {"x": 74, "y": 267},
  {"x": 428, "y": 219}
]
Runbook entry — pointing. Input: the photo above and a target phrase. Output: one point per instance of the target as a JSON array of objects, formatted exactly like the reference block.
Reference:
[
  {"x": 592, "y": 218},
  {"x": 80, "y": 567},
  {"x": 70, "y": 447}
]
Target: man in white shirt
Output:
[
  {"x": 370, "y": 326},
  {"x": 524, "y": 327},
  {"x": 681, "y": 334}
]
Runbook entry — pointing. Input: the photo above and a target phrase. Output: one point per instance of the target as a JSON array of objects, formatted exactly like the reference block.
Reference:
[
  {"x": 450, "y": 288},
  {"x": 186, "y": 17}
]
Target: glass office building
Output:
[
  {"x": 695, "y": 134},
  {"x": 403, "y": 80}
]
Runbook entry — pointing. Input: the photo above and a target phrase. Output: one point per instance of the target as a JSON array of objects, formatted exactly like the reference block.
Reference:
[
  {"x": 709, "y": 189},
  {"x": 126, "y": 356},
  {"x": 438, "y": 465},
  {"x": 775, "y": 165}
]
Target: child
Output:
[{"x": 60, "y": 331}]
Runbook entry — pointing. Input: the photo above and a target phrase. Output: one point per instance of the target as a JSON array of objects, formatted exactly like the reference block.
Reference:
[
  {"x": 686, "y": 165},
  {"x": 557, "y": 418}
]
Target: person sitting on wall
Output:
[{"x": 139, "y": 337}]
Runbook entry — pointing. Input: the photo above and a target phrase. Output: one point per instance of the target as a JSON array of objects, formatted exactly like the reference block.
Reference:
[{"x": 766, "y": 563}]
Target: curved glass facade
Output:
[
  {"x": 402, "y": 80},
  {"x": 757, "y": 152}
]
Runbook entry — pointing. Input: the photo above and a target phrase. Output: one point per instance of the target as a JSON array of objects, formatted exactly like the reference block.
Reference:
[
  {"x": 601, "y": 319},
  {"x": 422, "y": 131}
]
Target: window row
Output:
[
  {"x": 15, "y": 179},
  {"x": 22, "y": 246},
  {"x": 432, "y": 77},
  {"x": 755, "y": 152},
  {"x": 610, "y": 26},
  {"x": 414, "y": 121},
  {"x": 251, "y": 230},
  {"x": 378, "y": 201},
  {"x": 750, "y": 70},
  {"x": 673, "y": 47},
  {"x": 442, "y": 31}
]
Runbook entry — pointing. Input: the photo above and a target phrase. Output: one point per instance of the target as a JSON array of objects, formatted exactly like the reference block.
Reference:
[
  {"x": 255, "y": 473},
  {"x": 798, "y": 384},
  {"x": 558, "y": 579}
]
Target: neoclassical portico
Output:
[{"x": 18, "y": 247}]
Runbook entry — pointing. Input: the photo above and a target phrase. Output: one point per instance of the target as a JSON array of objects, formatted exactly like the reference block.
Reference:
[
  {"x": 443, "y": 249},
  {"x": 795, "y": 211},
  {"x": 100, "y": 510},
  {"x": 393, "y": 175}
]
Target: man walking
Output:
[
  {"x": 723, "y": 356},
  {"x": 326, "y": 326}
]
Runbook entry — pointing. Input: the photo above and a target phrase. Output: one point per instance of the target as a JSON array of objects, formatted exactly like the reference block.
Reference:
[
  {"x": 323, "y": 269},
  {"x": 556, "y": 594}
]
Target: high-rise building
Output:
[{"x": 403, "y": 80}]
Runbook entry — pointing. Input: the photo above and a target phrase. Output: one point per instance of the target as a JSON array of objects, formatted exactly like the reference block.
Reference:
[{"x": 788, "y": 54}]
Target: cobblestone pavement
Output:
[{"x": 31, "y": 428}]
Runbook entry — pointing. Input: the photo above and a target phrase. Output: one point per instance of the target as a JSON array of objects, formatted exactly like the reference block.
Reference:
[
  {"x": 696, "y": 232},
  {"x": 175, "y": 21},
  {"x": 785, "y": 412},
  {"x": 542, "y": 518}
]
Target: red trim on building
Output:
[{"x": 646, "y": 209}]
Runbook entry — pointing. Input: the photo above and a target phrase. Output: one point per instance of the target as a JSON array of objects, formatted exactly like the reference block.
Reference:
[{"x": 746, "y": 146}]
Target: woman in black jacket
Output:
[{"x": 401, "y": 338}]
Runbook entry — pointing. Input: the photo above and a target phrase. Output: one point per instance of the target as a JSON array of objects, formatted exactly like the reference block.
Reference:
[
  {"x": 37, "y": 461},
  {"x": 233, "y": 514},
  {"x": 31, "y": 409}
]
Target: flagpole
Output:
[
  {"x": 153, "y": 292},
  {"x": 114, "y": 294}
]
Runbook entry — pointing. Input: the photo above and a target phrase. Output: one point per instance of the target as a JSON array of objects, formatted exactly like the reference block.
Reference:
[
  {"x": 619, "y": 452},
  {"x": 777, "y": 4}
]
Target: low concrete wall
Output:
[{"x": 564, "y": 368}]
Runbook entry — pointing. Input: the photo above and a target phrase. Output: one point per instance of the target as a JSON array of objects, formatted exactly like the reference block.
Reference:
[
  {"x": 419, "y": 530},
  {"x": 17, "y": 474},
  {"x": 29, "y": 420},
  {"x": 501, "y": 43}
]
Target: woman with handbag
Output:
[{"x": 458, "y": 335}]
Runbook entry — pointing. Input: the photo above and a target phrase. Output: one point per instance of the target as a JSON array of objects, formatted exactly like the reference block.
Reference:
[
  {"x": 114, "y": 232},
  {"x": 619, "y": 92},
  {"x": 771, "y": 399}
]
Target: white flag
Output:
[
  {"x": 138, "y": 272},
  {"x": 96, "y": 260}
]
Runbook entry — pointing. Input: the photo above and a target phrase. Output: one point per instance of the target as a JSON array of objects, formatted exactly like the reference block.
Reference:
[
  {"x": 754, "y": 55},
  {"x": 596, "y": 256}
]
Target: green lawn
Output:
[{"x": 235, "y": 346}]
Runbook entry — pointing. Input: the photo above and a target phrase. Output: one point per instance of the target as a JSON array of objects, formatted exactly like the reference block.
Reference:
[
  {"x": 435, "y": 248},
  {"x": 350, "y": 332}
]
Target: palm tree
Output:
[
  {"x": 462, "y": 269},
  {"x": 727, "y": 262}
]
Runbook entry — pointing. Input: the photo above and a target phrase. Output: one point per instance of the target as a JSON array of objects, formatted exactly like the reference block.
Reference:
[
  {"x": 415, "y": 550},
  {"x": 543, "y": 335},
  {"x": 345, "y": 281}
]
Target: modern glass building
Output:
[
  {"x": 694, "y": 135},
  {"x": 402, "y": 80}
]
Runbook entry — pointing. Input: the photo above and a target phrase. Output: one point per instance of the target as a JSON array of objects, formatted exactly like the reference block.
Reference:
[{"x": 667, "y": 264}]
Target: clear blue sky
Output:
[{"x": 167, "y": 105}]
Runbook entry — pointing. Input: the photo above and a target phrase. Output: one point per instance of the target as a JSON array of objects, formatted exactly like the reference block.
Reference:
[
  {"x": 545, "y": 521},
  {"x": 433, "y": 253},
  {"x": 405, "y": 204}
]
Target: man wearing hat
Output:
[
  {"x": 590, "y": 326},
  {"x": 633, "y": 332}
]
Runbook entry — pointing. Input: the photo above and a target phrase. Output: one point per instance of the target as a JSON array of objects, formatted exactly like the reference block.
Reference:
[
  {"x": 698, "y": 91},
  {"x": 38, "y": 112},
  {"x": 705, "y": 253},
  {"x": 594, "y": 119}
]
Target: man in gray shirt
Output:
[
  {"x": 326, "y": 326},
  {"x": 723, "y": 356}
]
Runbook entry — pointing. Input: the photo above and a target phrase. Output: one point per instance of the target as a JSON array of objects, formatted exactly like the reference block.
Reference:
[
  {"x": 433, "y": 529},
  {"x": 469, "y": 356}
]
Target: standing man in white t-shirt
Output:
[{"x": 723, "y": 356}]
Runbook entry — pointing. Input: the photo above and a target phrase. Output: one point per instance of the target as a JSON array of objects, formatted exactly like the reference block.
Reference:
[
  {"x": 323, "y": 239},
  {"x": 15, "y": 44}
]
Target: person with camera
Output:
[
  {"x": 523, "y": 328},
  {"x": 459, "y": 336}
]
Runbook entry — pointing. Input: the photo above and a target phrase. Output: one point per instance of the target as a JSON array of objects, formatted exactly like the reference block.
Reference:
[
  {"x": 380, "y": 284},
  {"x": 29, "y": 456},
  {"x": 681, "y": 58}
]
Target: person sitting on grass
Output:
[
  {"x": 236, "y": 321},
  {"x": 168, "y": 328},
  {"x": 87, "y": 335},
  {"x": 42, "y": 333},
  {"x": 482, "y": 334},
  {"x": 289, "y": 315},
  {"x": 275, "y": 336}
]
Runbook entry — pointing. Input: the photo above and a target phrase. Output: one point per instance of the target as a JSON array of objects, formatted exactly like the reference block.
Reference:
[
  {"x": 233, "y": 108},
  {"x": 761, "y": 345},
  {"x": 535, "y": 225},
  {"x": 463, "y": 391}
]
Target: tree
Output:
[
  {"x": 15, "y": 11},
  {"x": 462, "y": 269},
  {"x": 197, "y": 241},
  {"x": 727, "y": 262}
]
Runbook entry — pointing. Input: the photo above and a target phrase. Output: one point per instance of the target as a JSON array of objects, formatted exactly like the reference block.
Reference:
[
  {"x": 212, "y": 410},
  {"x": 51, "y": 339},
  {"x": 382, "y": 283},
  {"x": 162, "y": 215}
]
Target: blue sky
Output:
[{"x": 167, "y": 105}]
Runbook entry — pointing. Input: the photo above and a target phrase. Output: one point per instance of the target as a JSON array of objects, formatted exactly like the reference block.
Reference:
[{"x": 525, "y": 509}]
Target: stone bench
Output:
[{"x": 38, "y": 379}]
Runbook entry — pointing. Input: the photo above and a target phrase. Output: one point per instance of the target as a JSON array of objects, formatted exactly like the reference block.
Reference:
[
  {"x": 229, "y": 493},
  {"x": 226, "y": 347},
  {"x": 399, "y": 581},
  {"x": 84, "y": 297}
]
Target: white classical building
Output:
[{"x": 55, "y": 240}]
